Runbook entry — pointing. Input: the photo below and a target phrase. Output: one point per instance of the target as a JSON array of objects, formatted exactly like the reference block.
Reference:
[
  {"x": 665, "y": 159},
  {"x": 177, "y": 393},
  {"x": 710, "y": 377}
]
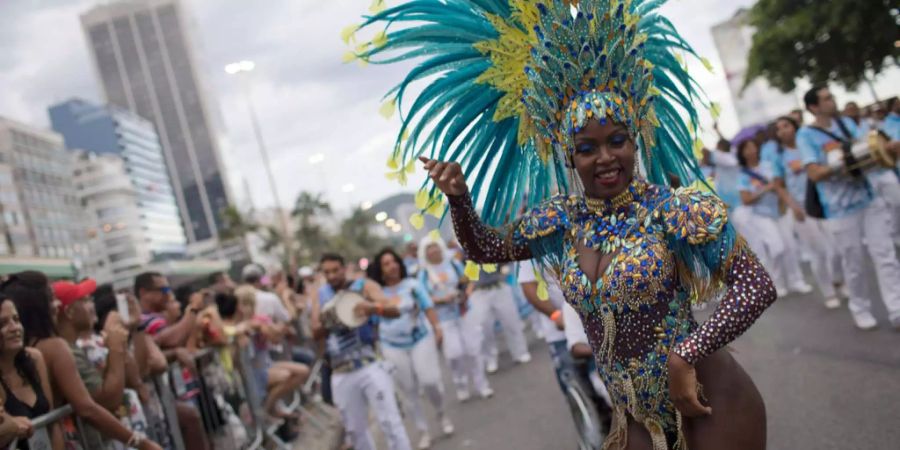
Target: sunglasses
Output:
[{"x": 165, "y": 290}]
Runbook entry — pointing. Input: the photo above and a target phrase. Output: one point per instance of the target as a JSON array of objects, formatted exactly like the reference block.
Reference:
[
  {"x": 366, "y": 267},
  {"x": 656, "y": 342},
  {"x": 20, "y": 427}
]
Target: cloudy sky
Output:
[{"x": 307, "y": 100}]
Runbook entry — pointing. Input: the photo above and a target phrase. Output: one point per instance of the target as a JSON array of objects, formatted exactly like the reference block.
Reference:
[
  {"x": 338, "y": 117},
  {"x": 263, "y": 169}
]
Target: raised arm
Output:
[{"x": 484, "y": 244}]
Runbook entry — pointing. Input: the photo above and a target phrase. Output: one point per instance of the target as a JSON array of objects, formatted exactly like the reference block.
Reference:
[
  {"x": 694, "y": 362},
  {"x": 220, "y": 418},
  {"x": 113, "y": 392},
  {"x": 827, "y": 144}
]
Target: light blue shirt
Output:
[
  {"x": 788, "y": 165},
  {"x": 840, "y": 195},
  {"x": 891, "y": 126},
  {"x": 410, "y": 327},
  {"x": 348, "y": 345},
  {"x": 443, "y": 281},
  {"x": 767, "y": 205},
  {"x": 727, "y": 171}
]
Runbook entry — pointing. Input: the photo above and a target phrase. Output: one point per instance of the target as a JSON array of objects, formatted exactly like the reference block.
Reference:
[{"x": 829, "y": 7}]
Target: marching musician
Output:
[
  {"x": 359, "y": 380},
  {"x": 853, "y": 210}
]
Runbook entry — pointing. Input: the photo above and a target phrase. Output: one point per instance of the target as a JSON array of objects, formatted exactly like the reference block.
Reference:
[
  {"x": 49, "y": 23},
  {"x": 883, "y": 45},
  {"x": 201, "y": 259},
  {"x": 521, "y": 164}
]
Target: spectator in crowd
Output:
[
  {"x": 797, "y": 116},
  {"x": 267, "y": 303},
  {"x": 155, "y": 296},
  {"x": 221, "y": 283},
  {"x": 149, "y": 359},
  {"x": 276, "y": 379},
  {"x": 411, "y": 259},
  {"x": 761, "y": 193},
  {"x": 38, "y": 309},
  {"x": 852, "y": 213},
  {"x": 492, "y": 301},
  {"x": 446, "y": 283},
  {"x": 852, "y": 112},
  {"x": 408, "y": 343},
  {"x": 891, "y": 124},
  {"x": 23, "y": 376},
  {"x": 358, "y": 380},
  {"x": 797, "y": 227}
]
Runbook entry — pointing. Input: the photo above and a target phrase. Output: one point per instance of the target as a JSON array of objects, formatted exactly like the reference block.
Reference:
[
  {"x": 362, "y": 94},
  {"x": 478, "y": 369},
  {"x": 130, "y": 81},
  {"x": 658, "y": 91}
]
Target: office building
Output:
[
  {"x": 136, "y": 155},
  {"x": 144, "y": 59},
  {"x": 758, "y": 103},
  {"x": 42, "y": 213}
]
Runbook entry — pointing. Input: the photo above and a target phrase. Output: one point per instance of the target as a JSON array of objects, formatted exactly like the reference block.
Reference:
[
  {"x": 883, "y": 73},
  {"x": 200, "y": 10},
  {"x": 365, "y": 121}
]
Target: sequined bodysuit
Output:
[{"x": 669, "y": 247}]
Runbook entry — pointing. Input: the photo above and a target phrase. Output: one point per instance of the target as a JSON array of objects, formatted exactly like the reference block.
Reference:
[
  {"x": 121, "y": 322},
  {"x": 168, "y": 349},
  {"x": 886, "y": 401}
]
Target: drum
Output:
[
  {"x": 340, "y": 311},
  {"x": 870, "y": 153}
]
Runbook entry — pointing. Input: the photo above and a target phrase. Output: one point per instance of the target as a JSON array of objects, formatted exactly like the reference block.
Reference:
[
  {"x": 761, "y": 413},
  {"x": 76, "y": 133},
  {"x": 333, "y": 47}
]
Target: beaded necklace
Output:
[{"x": 608, "y": 221}]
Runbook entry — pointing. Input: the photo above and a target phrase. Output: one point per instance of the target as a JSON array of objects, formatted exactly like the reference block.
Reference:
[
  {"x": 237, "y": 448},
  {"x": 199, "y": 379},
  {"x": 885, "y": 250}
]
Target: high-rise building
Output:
[
  {"x": 758, "y": 103},
  {"x": 134, "y": 144},
  {"x": 145, "y": 63},
  {"x": 45, "y": 217}
]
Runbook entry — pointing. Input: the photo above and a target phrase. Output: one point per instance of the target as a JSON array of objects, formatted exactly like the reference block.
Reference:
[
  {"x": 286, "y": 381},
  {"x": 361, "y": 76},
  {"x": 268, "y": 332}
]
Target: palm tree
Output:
[{"x": 312, "y": 238}]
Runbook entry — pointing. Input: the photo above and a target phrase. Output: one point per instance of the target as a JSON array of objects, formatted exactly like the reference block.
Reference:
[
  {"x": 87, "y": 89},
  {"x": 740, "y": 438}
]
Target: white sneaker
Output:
[
  {"x": 865, "y": 321},
  {"x": 833, "y": 303},
  {"x": 801, "y": 288},
  {"x": 491, "y": 365},
  {"x": 447, "y": 426},
  {"x": 462, "y": 395},
  {"x": 524, "y": 359},
  {"x": 424, "y": 441},
  {"x": 486, "y": 393},
  {"x": 780, "y": 291}
]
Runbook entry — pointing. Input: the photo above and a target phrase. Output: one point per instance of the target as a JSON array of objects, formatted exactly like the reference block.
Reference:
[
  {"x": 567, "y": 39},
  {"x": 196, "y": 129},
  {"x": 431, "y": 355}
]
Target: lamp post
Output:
[{"x": 242, "y": 69}]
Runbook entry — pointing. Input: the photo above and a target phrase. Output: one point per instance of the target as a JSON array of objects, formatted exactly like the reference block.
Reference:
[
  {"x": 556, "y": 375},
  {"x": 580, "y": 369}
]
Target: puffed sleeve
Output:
[
  {"x": 535, "y": 234},
  {"x": 710, "y": 254}
]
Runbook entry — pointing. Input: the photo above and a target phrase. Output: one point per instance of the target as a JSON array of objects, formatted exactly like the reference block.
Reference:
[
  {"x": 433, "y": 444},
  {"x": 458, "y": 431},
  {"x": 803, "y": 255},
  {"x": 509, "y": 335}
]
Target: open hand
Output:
[
  {"x": 447, "y": 176},
  {"x": 683, "y": 387}
]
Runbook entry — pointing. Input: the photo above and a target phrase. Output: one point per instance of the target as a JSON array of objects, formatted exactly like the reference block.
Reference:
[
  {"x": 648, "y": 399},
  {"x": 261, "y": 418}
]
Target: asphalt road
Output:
[{"x": 826, "y": 386}]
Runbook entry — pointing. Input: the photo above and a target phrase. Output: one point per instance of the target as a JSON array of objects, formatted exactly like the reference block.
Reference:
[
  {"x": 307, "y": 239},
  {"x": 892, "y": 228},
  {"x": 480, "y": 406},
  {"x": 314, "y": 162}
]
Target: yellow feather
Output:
[
  {"x": 417, "y": 221},
  {"x": 489, "y": 268},
  {"x": 380, "y": 39},
  {"x": 715, "y": 110},
  {"x": 377, "y": 6},
  {"x": 707, "y": 64},
  {"x": 422, "y": 199},
  {"x": 542, "y": 292},
  {"x": 387, "y": 108},
  {"x": 436, "y": 210},
  {"x": 472, "y": 272},
  {"x": 347, "y": 34},
  {"x": 348, "y": 56},
  {"x": 435, "y": 235},
  {"x": 392, "y": 163}
]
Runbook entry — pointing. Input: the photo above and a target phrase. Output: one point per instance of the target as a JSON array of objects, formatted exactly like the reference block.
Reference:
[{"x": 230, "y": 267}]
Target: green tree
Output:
[
  {"x": 313, "y": 239},
  {"x": 824, "y": 41},
  {"x": 356, "y": 238},
  {"x": 235, "y": 224}
]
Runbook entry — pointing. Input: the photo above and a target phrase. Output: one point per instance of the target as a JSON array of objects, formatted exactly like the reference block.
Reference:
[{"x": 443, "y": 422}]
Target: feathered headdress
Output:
[{"x": 510, "y": 82}]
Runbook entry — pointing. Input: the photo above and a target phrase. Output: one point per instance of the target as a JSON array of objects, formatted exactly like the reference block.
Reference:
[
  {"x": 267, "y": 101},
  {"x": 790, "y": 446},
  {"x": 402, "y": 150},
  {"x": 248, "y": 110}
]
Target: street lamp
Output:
[{"x": 242, "y": 68}]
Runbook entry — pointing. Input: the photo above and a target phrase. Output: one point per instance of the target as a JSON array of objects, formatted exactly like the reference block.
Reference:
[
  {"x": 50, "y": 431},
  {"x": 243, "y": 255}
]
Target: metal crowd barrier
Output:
[{"x": 212, "y": 397}]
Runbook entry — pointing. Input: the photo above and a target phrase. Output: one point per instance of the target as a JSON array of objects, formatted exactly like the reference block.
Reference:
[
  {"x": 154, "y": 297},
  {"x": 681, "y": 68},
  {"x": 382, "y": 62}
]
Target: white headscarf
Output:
[{"x": 423, "y": 250}]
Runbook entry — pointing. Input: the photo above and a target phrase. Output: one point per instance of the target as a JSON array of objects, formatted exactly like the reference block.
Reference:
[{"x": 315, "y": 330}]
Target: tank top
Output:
[{"x": 17, "y": 408}]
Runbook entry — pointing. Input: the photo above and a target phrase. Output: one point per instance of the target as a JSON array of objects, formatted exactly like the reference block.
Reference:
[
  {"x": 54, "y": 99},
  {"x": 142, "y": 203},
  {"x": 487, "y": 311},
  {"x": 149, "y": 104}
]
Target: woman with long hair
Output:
[
  {"x": 533, "y": 98},
  {"x": 23, "y": 376},
  {"x": 33, "y": 297},
  {"x": 443, "y": 277},
  {"x": 409, "y": 343},
  {"x": 276, "y": 379},
  {"x": 799, "y": 230},
  {"x": 761, "y": 192}
]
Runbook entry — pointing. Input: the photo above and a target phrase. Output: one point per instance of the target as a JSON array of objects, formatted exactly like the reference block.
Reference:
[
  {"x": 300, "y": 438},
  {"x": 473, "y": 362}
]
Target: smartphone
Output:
[{"x": 122, "y": 307}]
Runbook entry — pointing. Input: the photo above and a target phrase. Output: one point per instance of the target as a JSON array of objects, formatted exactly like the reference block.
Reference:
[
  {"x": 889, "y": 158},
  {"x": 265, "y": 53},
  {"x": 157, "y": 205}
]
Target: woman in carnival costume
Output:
[{"x": 530, "y": 98}]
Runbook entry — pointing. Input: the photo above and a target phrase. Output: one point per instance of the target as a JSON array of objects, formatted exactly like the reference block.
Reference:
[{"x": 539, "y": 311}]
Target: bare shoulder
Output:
[{"x": 35, "y": 355}]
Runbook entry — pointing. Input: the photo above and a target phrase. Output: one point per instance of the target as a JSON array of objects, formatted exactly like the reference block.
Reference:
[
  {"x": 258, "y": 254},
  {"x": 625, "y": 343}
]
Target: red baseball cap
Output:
[{"x": 68, "y": 292}]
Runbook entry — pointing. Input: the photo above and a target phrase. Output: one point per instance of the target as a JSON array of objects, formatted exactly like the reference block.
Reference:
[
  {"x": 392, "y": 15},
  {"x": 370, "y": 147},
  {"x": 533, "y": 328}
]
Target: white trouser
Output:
[
  {"x": 772, "y": 244},
  {"x": 873, "y": 224},
  {"x": 414, "y": 367},
  {"x": 369, "y": 387},
  {"x": 887, "y": 187},
  {"x": 462, "y": 350},
  {"x": 491, "y": 305},
  {"x": 811, "y": 235}
]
